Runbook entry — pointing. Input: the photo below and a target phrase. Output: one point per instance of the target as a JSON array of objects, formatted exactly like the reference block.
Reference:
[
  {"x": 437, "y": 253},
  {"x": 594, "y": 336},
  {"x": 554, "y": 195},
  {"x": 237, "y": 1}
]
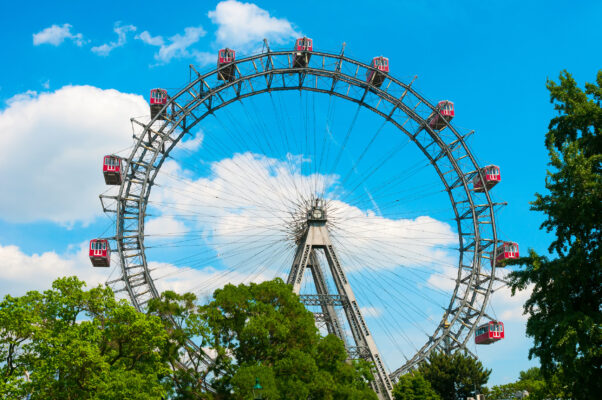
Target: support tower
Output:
[{"x": 313, "y": 237}]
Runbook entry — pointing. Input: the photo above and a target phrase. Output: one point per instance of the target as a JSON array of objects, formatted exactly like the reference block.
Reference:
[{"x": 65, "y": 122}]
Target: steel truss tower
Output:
[{"x": 315, "y": 237}]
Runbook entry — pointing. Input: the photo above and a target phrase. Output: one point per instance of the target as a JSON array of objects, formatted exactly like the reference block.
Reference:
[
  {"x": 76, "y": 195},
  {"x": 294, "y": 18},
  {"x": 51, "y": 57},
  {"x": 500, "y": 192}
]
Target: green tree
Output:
[
  {"x": 263, "y": 331},
  {"x": 531, "y": 382},
  {"x": 413, "y": 386},
  {"x": 454, "y": 376},
  {"x": 69, "y": 343},
  {"x": 565, "y": 310},
  {"x": 186, "y": 336}
]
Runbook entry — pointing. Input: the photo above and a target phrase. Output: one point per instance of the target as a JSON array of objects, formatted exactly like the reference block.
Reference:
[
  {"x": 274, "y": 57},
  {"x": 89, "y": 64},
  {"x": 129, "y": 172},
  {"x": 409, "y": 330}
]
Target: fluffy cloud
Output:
[
  {"x": 506, "y": 306},
  {"x": 446, "y": 279},
  {"x": 253, "y": 198},
  {"x": 21, "y": 272},
  {"x": 53, "y": 145},
  {"x": 202, "y": 282},
  {"x": 244, "y": 25},
  {"x": 121, "y": 31},
  {"x": 373, "y": 312},
  {"x": 158, "y": 226},
  {"x": 55, "y": 35},
  {"x": 176, "y": 46}
]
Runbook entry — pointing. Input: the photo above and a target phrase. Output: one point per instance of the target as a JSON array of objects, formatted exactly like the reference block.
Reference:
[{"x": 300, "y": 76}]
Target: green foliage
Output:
[
  {"x": 262, "y": 330},
  {"x": 70, "y": 343},
  {"x": 454, "y": 376},
  {"x": 181, "y": 320},
  {"x": 532, "y": 382},
  {"x": 565, "y": 317},
  {"x": 413, "y": 386}
]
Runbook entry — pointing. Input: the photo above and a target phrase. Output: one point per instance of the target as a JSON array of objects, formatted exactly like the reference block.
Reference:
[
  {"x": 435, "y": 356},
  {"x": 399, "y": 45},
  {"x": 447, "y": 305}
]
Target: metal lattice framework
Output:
[{"x": 335, "y": 75}]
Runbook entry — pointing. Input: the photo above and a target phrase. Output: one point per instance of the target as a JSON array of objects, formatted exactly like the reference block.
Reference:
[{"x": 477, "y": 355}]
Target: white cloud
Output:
[
  {"x": 204, "y": 57},
  {"x": 506, "y": 306},
  {"x": 373, "y": 312},
  {"x": 148, "y": 39},
  {"x": 121, "y": 31},
  {"x": 253, "y": 198},
  {"x": 20, "y": 97},
  {"x": 21, "y": 272},
  {"x": 202, "y": 282},
  {"x": 444, "y": 280},
  {"x": 52, "y": 146},
  {"x": 244, "y": 25},
  {"x": 501, "y": 302},
  {"x": 192, "y": 144},
  {"x": 55, "y": 35},
  {"x": 176, "y": 46},
  {"x": 161, "y": 225}
]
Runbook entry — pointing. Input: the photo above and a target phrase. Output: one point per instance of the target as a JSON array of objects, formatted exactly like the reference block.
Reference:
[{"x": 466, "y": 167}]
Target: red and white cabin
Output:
[
  {"x": 100, "y": 253},
  {"x": 226, "y": 57},
  {"x": 112, "y": 171},
  {"x": 302, "y": 54},
  {"x": 442, "y": 114},
  {"x": 491, "y": 175},
  {"x": 382, "y": 68},
  {"x": 489, "y": 333},
  {"x": 506, "y": 251},
  {"x": 158, "y": 99}
]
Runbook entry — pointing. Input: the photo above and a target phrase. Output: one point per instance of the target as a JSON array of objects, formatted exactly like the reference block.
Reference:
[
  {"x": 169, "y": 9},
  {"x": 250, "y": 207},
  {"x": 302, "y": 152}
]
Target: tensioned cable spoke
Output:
[{"x": 231, "y": 205}]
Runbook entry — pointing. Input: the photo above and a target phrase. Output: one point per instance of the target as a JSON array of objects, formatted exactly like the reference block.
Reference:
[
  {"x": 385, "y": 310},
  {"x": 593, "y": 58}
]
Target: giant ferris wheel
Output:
[{"x": 322, "y": 170}]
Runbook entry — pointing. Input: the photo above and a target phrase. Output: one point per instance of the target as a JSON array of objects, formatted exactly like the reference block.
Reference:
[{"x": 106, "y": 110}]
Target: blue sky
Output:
[{"x": 75, "y": 72}]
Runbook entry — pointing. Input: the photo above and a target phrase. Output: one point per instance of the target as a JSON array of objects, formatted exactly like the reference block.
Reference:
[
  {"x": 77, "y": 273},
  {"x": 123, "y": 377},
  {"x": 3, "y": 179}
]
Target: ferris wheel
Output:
[{"x": 327, "y": 172}]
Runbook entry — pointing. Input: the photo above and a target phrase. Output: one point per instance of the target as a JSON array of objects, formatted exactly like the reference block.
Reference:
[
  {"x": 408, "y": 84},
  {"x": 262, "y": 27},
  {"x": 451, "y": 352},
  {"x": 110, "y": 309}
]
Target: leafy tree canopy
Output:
[
  {"x": 565, "y": 309},
  {"x": 531, "y": 383},
  {"x": 413, "y": 386},
  {"x": 72, "y": 343},
  {"x": 69, "y": 343},
  {"x": 262, "y": 330},
  {"x": 454, "y": 376}
]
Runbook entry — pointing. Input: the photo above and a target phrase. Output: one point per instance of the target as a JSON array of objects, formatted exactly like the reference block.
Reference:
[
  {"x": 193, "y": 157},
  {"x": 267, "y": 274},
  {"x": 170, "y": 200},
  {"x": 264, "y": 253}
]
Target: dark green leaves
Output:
[
  {"x": 413, "y": 386},
  {"x": 262, "y": 330},
  {"x": 454, "y": 376},
  {"x": 70, "y": 343},
  {"x": 565, "y": 309}
]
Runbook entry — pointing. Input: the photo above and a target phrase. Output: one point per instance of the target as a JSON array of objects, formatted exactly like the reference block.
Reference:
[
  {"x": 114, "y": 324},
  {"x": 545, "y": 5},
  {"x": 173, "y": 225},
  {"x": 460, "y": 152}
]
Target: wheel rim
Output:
[{"x": 394, "y": 101}]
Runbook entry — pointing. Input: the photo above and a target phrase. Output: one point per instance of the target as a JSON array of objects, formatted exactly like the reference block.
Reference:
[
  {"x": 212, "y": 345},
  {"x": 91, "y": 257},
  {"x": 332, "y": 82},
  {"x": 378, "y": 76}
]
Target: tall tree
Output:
[
  {"x": 454, "y": 376},
  {"x": 263, "y": 331},
  {"x": 565, "y": 309},
  {"x": 413, "y": 386},
  {"x": 530, "y": 383},
  {"x": 71, "y": 343}
]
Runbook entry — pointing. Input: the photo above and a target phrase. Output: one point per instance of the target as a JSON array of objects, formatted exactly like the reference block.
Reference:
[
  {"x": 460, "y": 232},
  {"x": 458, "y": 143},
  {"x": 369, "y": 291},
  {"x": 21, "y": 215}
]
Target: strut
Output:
[{"x": 315, "y": 238}]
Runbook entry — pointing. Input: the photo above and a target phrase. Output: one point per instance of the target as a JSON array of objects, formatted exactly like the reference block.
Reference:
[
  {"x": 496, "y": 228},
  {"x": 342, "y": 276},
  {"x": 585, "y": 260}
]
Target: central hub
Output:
[
  {"x": 310, "y": 213},
  {"x": 317, "y": 212}
]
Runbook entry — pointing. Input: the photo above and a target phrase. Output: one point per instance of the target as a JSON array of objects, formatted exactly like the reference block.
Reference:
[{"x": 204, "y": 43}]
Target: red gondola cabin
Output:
[
  {"x": 382, "y": 69},
  {"x": 158, "y": 99},
  {"x": 442, "y": 114},
  {"x": 303, "y": 48},
  {"x": 111, "y": 169},
  {"x": 491, "y": 175},
  {"x": 225, "y": 58},
  {"x": 506, "y": 251},
  {"x": 489, "y": 333},
  {"x": 100, "y": 253}
]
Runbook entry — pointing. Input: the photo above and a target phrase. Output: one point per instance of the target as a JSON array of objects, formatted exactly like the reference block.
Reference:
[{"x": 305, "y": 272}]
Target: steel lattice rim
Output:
[{"x": 477, "y": 246}]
